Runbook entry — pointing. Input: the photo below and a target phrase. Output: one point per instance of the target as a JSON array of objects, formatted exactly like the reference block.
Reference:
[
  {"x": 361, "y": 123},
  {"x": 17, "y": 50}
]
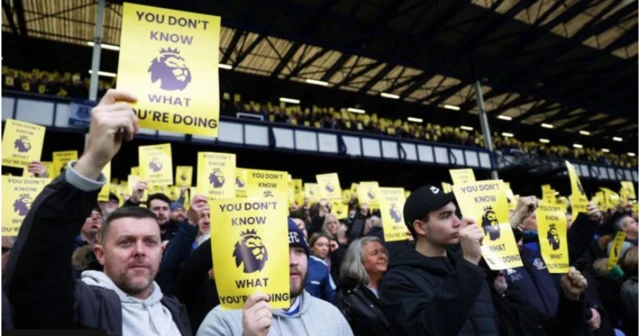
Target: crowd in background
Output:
[{"x": 76, "y": 85}]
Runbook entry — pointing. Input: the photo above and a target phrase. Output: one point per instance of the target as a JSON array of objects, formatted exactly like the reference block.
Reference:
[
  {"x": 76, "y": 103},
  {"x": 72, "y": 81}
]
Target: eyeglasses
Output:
[{"x": 5, "y": 249}]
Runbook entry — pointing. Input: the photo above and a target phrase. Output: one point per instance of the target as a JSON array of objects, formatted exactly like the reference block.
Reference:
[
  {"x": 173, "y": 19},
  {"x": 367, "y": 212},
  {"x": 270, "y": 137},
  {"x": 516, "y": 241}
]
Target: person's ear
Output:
[
  {"x": 98, "y": 251},
  {"x": 419, "y": 227}
]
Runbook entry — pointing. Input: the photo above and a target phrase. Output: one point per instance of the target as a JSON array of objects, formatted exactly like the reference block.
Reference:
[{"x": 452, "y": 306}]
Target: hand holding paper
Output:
[{"x": 471, "y": 240}]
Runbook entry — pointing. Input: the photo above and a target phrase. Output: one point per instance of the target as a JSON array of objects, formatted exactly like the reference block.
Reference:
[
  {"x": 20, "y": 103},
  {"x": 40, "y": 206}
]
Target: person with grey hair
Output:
[
  {"x": 362, "y": 269},
  {"x": 629, "y": 226}
]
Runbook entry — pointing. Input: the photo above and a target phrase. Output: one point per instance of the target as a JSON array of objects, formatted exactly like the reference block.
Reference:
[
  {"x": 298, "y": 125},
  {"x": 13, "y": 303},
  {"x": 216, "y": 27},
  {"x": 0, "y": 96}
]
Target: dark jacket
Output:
[
  {"x": 41, "y": 287},
  {"x": 7, "y": 312},
  {"x": 437, "y": 296},
  {"x": 319, "y": 282},
  {"x": 363, "y": 310},
  {"x": 174, "y": 255}
]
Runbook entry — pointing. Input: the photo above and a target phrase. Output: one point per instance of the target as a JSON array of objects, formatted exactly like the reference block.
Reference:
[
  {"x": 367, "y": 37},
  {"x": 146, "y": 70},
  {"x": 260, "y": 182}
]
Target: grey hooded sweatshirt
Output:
[
  {"x": 139, "y": 317},
  {"x": 316, "y": 317}
]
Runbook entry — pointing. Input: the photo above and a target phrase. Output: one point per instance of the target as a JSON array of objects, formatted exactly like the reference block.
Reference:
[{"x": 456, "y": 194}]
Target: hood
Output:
[
  {"x": 435, "y": 265},
  {"x": 305, "y": 303},
  {"x": 95, "y": 278}
]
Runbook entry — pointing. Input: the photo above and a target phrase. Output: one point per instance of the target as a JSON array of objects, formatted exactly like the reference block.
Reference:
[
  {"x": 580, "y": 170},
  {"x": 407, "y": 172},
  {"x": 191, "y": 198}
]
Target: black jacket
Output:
[
  {"x": 363, "y": 310},
  {"x": 437, "y": 296},
  {"x": 40, "y": 281}
]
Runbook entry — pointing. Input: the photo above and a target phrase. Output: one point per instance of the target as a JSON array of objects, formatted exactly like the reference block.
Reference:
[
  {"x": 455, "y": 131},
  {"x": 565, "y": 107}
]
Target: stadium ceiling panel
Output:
[{"x": 539, "y": 60}]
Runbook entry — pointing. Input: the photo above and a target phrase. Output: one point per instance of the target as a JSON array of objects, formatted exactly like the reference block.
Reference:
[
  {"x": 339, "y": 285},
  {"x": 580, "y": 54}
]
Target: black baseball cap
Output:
[{"x": 422, "y": 201}]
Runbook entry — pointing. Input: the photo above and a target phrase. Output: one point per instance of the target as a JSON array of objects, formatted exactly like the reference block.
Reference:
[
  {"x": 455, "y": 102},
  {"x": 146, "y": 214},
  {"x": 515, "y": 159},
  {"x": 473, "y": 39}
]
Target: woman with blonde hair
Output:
[{"x": 362, "y": 269}]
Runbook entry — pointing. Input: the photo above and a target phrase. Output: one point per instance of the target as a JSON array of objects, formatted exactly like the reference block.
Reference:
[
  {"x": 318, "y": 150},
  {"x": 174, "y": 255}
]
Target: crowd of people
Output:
[
  {"x": 148, "y": 270},
  {"x": 77, "y": 86}
]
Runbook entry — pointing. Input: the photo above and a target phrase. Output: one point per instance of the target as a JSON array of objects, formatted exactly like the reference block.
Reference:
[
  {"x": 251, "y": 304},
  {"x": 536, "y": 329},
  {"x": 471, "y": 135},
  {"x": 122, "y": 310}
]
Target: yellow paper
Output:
[
  {"x": 47, "y": 165},
  {"x": 552, "y": 234},
  {"x": 21, "y": 143},
  {"x": 312, "y": 192},
  {"x": 391, "y": 207},
  {"x": 329, "y": 186},
  {"x": 216, "y": 174},
  {"x": 267, "y": 183},
  {"x": 462, "y": 176},
  {"x": 135, "y": 171},
  {"x": 60, "y": 161},
  {"x": 368, "y": 192},
  {"x": 579, "y": 201},
  {"x": 173, "y": 192},
  {"x": 241, "y": 183},
  {"x": 340, "y": 210},
  {"x": 616, "y": 247},
  {"x": 18, "y": 194},
  {"x": 598, "y": 199},
  {"x": 297, "y": 186},
  {"x": 251, "y": 250},
  {"x": 629, "y": 188},
  {"x": 184, "y": 176},
  {"x": 611, "y": 199},
  {"x": 486, "y": 201},
  {"x": 169, "y": 59},
  {"x": 132, "y": 181},
  {"x": 156, "y": 167},
  {"x": 549, "y": 195},
  {"x": 446, "y": 187},
  {"x": 103, "y": 196}
]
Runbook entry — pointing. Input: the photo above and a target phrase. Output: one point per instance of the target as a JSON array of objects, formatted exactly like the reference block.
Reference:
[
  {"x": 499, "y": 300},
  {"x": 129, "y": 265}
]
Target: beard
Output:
[
  {"x": 134, "y": 283},
  {"x": 294, "y": 290}
]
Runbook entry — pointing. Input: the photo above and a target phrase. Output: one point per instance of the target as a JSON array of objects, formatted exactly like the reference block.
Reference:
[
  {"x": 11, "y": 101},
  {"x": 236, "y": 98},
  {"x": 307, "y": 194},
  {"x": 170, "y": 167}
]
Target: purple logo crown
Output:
[{"x": 170, "y": 69}]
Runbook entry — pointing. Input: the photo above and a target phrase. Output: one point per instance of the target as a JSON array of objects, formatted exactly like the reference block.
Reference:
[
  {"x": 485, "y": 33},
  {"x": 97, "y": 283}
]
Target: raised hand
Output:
[
  {"x": 471, "y": 240},
  {"x": 256, "y": 315}
]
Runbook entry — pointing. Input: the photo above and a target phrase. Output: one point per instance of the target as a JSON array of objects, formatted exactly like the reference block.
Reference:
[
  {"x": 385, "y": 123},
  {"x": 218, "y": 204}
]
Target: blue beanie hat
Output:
[
  {"x": 297, "y": 238},
  {"x": 176, "y": 205}
]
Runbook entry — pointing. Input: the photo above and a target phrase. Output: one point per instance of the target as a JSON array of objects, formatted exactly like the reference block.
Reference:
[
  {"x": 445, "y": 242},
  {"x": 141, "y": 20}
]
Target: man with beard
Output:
[
  {"x": 122, "y": 300},
  {"x": 306, "y": 315},
  {"x": 177, "y": 212}
]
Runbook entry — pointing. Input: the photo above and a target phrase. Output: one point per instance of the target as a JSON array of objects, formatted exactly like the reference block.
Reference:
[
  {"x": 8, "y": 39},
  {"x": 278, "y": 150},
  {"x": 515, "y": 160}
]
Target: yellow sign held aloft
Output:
[
  {"x": 135, "y": 171},
  {"x": 611, "y": 199},
  {"x": 162, "y": 61},
  {"x": 61, "y": 160},
  {"x": 267, "y": 183},
  {"x": 156, "y": 165},
  {"x": 391, "y": 207},
  {"x": 21, "y": 143},
  {"x": 629, "y": 190},
  {"x": 446, "y": 187},
  {"x": 486, "y": 201},
  {"x": 47, "y": 165},
  {"x": 132, "y": 182},
  {"x": 241, "y": 182},
  {"x": 552, "y": 234},
  {"x": 616, "y": 247},
  {"x": 18, "y": 194},
  {"x": 250, "y": 250},
  {"x": 312, "y": 192},
  {"x": 216, "y": 175},
  {"x": 184, "y": 176},
  {"x": 368, "y": 192},
  {"x": 297, "y": 186},
  {"x": 462, "y": 176},
  {"x": 329, "y": 186},
  {"x": 340, "y": 209},
  {"x": 103, "y": 196},
  {"x": 579, "y": 201}
]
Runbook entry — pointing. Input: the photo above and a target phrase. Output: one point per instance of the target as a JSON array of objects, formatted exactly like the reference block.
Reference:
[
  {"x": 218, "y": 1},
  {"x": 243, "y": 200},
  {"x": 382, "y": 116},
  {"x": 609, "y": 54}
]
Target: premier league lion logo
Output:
[
  {"x": 155, "y": 165},
  {"x": 22, "y": 205},
  {"x": 239, "y": 182},
  {"x": 216, "y": 178},
  {"x": 250, "y": 251},
  {"x": 171, "y": 69},
  {"x": 22, "y": 144},
  {"x": 395, "y": 213},
  {"x": 490, "y": 224},
  {"x": 329, "y": 187},
  {"x": 371, "y": 195},
  {"x": 267, "y": 193},
  {"x": 553, "y": 237}
]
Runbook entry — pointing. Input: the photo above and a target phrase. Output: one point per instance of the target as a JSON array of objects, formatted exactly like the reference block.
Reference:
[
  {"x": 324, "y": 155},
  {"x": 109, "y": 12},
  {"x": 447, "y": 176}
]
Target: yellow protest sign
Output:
[
  {"x": 552, "y": 234},
  {"x": 368, "y": 192},
  {"x": 156, "y": 167},
  {"x": 47, "y": 165},
  {"x": 611, "y": 199},
  {"x": 173, "y": 192},
  {"x": 391, "y": 207},
  {"x": 616, "y": 247},
  {"x": 446, "y": 187},
  {"x": 158, "y": 189},
  {"x": 162, "y": 61},
  {"x": 18, "y": 193},
  {"x": 599, "y": 200},
  {"x": 486, "y": 201},
  {"x": 579, "y": 201},
  {"x": 354, "y": 188},
  {"x": 297, "y": 186},
  {"x": 241, "y": 183},
  {"x": 216, "y": 175},
  {"x": 329, "y": 186},
  {"x": 267, "y": 183},
  {"x": 546, "y": 187},
  {"x": 251, "y": 250},
  {"x": 103, "y": 196},
  {"x": 184, "y": 176},
  {"x": 462, "y": 176},
  {"x": 135, "y": 171},
  {"x": 340, "y": 209},
  {"x": 312, "y": 192},
  {"x": 629, "y": 189},
  {"x": 21, "y": 143},
  {"x": 132, "y": 181},
  {"x": 60, "y": 161}
]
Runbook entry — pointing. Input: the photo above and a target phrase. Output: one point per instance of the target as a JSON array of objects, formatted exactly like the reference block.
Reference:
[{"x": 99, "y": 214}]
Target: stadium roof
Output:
[{"x": 572, "y": 64}]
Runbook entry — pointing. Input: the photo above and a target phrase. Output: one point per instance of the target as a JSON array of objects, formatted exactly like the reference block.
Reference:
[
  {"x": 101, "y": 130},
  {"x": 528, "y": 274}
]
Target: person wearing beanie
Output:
[
  {"x": 177, "y": 212},
  {"x": 306, "y": 315}
]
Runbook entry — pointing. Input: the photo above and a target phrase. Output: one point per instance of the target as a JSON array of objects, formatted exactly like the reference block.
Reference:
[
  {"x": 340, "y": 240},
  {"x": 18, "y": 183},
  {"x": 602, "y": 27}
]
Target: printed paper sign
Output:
[
  {"x": 47, "y": 165},
  {"x": 462, "y": 176},
  {"x": 329, "y": 186},
  {"x": 21, "y": 143},
  {"x": 616, "y": 247},
  {"x": 103, "y": 196},
  {"x": 169, "y": 59},
  {"x": 18, "y": 194},
  {"x": 184, "y": 175},
  {"x": 61, "y": 160},
  {"x": 312, "y": 192},
  {"x": 552, "y": 234},
  {"x": 368, "y": 193},
  {"x": 579, "y": 201},
  {"x": 446, "y": 187},
  {"x": 135, "y": 171},
  {"x": 132, "y": 181},
  {"x": 156, "y": 167},
  {"x": 486, "y": 201},
  {"x": 251, "y": 250},
  {"x": 216, "y": 174},
  {"x": 267, "y": 183},
  {"x": 391, "y": 206},
  {"x": 241, "y": 182},
  {"x": 629, "y": 190},
  {"x": 340, "y": 210}
]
